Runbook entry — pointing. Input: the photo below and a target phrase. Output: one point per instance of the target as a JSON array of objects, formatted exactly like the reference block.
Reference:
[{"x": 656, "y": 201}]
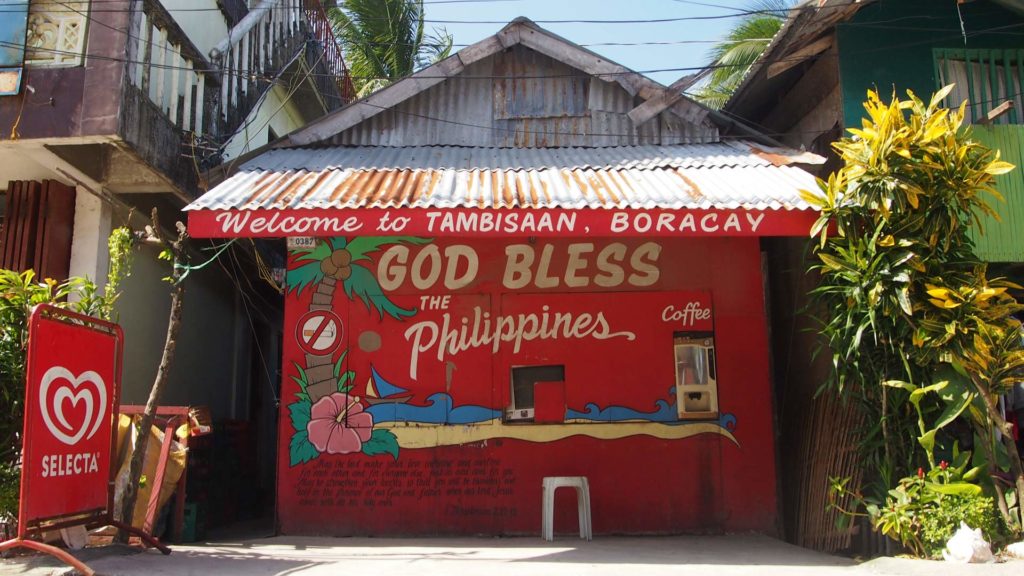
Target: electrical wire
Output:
[
  {"x": 246, "y": 299},
  {"x": 734, "y": 13},
  {"x": 1009, "y": 29},
  {"x": 311, "y": 74}
]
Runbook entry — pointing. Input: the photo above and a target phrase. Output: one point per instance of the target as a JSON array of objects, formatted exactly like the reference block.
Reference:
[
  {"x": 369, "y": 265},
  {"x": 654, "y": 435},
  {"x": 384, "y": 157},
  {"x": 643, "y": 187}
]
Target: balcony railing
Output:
[
  {"x": 165, "y": 66},
  {"x": 323, "y": 33},
  {"x": 254, "y": 51},
  {"x": 212, "y": 97}
]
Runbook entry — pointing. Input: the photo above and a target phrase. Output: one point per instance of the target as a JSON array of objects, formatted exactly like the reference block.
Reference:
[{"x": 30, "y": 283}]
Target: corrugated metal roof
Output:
[{"x": 723, "y": 175}]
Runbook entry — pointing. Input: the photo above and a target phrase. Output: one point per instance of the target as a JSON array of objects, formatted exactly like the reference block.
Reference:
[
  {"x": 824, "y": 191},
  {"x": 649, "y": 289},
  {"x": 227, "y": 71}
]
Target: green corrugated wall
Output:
[{"x": 1003, "y": 241}]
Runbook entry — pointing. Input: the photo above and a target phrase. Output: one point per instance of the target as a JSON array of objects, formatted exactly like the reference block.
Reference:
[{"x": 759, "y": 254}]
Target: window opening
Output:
[{"x": 521, "y": 408}]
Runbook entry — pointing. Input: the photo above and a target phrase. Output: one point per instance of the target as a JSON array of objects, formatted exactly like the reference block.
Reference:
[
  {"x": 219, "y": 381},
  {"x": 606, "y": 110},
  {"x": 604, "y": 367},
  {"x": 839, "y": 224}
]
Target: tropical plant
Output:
[
  {"x": 20, "y": 292},
  {"x": 743, "y": 45},
  {"x": 905, "y": 510},
  {"x": 977, "y": 511},
  {"x": 10, "y": 492},
  {"x": 909, "y": 306},
  {"x": 385, "y": 40}
]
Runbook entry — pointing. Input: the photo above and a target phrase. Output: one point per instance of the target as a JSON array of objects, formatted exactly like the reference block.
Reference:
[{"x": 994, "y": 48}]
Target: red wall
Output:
[{"x": 418, "y": 466}]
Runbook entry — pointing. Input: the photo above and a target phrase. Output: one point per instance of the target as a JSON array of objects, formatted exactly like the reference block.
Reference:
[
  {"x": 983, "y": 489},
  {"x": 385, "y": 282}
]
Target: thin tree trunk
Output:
[
  {"x": 1018, "y": 476},
  {"x": 139, "y": 455},
  {"x": 1006, "y": 434},
  {"x": 177, "y": 249}
]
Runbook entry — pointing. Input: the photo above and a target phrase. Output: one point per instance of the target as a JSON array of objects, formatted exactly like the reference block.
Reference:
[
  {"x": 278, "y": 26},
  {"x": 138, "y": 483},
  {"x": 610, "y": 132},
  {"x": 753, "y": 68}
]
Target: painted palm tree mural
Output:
[{"x": 326, "y": 416}]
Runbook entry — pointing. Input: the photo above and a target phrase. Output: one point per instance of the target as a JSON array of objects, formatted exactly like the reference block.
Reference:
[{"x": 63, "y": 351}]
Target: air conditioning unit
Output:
[{"x": 518, "y": 414}]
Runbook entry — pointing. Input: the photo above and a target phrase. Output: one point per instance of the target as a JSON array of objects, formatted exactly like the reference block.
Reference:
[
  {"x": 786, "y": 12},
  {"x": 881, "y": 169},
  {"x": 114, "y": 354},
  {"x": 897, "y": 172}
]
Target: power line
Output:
[
  {"x": 1005, "y": 29},
  {"x": 310, "y": 74},
  {"x": 248, "y": 73},
  {"x": 667, "y": 20}
]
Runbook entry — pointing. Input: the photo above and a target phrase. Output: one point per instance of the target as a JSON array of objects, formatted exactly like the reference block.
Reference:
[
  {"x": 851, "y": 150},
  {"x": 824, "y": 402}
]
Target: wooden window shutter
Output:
[{"x": 39, "y": 221}]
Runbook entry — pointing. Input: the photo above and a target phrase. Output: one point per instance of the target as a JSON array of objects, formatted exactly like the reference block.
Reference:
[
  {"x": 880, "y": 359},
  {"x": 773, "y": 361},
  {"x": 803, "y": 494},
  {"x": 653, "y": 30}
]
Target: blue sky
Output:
[{"x": 640, "y": 58}]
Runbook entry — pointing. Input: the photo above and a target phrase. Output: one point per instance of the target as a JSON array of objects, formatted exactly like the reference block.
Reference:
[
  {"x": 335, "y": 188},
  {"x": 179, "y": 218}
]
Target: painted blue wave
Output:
[
  {"x": 440, "y": 409},
  {"x": 665, "y": 413},
  {"x": 727, "y": 421}
]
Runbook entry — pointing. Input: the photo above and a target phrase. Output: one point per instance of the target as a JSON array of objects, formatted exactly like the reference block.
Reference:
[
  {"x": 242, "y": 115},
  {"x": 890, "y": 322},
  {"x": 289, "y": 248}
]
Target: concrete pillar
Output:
[{"x": 89, "y": 257}]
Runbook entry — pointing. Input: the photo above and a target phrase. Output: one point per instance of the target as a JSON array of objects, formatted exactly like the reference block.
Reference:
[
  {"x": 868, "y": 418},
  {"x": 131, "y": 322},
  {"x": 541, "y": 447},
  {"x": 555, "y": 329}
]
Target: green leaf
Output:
[
  {"x": 927, "y": 441},
  {"x": 363, "y": 245},
  {"x": 973, "y": 473},
  {"x": 363, "y": 283},
  {"x": 320, "y": 251},
  {"x": 903, "y": 296},
  {"x": 381, "y": 442},
  {"x": 812, "y": 198},
  {"x": 940, "y": 95},
  {"x": 300, "y": 414},
  {"x": 337, "y": 365},
  {"x": 900, "y": 384},
  {"x": 835, "y": 264},
  {"x": 301, "y": 277},
  {"x": 842, "y": 522},
  {"x": 302, "y": 379},
  {"x": 301, "y": 450},
  {"x": 954, "y": 408},
  {"x": 955, "y": 489},
  {"x": 346, "y": 380},
  {"x": 917, "y": 395}
]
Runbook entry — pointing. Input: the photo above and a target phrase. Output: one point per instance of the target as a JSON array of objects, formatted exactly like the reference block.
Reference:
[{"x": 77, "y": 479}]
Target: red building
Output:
[{"x": 524, "y": 261}]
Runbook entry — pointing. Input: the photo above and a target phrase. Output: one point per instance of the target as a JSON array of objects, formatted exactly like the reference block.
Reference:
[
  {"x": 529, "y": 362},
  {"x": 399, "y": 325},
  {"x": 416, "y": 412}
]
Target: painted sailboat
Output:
[{"x": 379, "y": 390}]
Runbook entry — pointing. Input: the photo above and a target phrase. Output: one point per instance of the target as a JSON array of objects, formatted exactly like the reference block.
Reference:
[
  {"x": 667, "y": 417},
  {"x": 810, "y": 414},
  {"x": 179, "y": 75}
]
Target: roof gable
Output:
[{"x": 522, "y": 87}]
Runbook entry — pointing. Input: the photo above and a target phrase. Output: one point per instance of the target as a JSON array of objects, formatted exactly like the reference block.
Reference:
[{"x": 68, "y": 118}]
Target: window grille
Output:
[{"x": 984, "y": 78}]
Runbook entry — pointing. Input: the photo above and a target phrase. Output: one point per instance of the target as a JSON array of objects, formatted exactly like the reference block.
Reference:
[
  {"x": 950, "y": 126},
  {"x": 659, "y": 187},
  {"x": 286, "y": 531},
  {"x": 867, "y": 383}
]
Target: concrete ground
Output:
[{"x": 566, "y": 556}]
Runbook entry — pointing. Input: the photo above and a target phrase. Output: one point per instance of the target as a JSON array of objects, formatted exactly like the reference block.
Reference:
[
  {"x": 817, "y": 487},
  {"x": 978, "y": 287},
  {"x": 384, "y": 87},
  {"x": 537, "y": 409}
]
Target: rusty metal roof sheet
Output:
[{"x": 722, "y": 175}]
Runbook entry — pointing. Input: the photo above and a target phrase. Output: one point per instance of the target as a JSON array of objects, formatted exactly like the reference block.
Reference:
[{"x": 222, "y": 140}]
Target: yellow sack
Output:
[{"x": 176, "y": 459}]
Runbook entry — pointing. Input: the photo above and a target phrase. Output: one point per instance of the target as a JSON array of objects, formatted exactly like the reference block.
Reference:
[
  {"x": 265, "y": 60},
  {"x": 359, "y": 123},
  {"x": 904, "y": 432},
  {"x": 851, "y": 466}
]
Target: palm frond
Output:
[
  {"x": 740, "y": 49},
  {"x": 301, "y": 277},
  {"x": 361, "y": 246},
  {"x": 363, "y": 283},
  {"x": 384, "y": 40}
]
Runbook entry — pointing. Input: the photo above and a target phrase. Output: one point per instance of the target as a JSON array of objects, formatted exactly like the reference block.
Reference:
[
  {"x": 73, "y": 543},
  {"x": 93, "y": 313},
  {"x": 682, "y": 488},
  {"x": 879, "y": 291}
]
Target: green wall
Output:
[
  {"x": 1003, "y": 240},
  {"x": 888, "y": 44}
]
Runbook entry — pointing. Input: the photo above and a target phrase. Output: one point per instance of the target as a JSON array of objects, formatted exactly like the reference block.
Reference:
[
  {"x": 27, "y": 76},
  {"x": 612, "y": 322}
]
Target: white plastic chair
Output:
[{"x": 552, "y": 483}]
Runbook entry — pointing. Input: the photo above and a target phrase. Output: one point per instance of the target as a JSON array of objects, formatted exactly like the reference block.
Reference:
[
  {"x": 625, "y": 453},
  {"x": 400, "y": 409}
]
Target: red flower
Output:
[
  {"x": 920, "y": 472},
  {"x": 943, "y": 464},
  {"x": 338, "y": 424}
]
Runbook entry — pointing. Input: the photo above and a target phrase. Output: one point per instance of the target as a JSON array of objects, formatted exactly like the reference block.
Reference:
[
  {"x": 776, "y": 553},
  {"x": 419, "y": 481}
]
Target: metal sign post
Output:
[{"x": 72, "y": 389}]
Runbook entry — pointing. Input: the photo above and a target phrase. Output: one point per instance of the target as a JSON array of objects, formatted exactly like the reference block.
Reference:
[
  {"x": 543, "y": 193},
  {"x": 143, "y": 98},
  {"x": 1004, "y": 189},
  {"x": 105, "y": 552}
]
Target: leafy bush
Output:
[
  {"x": 943, "y": 518},
  {"x": 10, "y": 485},
  {"x": 19, "y": 293}
]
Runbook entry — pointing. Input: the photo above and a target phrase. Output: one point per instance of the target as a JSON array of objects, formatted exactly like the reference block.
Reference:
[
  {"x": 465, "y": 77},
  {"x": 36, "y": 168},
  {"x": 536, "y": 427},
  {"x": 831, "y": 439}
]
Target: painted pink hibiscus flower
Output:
[{"x": 338, "y": 424}]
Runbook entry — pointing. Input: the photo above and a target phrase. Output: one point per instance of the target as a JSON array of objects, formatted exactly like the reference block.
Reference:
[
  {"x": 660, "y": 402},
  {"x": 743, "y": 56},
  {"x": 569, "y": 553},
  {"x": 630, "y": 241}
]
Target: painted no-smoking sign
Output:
[{"x": 319, "y": 332}]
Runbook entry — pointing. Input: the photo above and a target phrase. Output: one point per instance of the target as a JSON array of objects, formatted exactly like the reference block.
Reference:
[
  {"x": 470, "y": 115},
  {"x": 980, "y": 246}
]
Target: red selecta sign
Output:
[{"x": 71, "y": 399}]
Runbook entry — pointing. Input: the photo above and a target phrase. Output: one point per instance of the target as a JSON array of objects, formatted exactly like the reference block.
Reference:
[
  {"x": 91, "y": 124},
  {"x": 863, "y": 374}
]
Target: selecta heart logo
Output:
[{"x": 72, "y": 389}]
